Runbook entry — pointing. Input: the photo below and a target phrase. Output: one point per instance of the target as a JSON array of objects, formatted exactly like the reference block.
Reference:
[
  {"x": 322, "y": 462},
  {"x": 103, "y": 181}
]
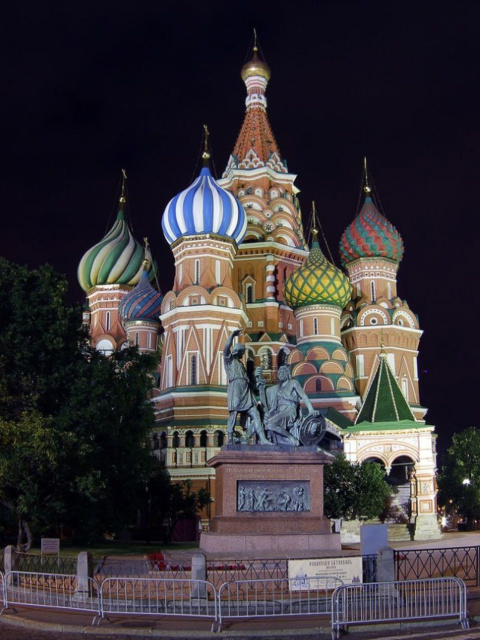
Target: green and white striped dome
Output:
[{"x": 116, "y": 259}]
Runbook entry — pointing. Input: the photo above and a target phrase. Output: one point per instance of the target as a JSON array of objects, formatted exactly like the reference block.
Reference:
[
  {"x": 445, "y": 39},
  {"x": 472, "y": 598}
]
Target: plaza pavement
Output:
[{"x": 44, "y": 624}]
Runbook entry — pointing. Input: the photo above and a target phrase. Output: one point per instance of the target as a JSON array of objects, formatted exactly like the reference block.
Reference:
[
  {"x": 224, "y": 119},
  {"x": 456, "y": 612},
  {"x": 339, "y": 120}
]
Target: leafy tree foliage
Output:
[
  {"x": 170, "y": 502},
  {"x": 354, "y": 491},
  {"x": 459, "y": 480},
  {"x": 73, "y": 423}
]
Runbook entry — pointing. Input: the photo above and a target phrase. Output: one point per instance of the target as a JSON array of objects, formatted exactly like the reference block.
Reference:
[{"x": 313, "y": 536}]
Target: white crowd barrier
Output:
[
  {"x": 348, "y": 605},
  {"x": 52, "y": 590},
  {"x": 395, "y": 601},
  {"x": 165, "y": 597},
  {"x": 276, "y": 597}
]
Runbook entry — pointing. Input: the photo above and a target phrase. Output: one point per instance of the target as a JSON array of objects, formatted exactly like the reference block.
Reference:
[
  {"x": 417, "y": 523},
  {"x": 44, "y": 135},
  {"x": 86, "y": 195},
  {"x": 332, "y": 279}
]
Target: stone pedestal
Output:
[
  {"x": 427, "y": 528},
  {"x": 269, "y": 499}
]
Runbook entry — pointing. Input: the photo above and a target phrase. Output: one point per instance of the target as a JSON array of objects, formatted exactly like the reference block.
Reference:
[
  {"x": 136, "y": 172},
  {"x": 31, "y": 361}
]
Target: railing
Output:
[
  {"x": 220, "y": 571},
  {"x": 273, "y": 598},
  {"x": 113, "y": 568},
  {"x": 57, "y": 591},
  {"x": 460, "y": 562},
  {"x": 394, "y": 601},
  {"x": 166, "y": 597},
  {"x": 34, "y": 563}
]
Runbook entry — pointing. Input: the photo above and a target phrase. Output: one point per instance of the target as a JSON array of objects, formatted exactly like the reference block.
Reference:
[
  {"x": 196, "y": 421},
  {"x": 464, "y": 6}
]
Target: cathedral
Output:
[{"x": 242, "y": 262}]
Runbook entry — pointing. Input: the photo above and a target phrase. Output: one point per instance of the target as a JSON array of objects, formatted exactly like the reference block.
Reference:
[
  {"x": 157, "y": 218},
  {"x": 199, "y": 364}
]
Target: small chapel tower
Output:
[
  {"x": 371, "y": 249},
  {"x": 107, "y": 272}
]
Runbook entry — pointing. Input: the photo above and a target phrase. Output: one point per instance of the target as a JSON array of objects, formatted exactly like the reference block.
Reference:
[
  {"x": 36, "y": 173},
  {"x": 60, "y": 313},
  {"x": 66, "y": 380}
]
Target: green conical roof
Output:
[{"x": 384, "y": 401}]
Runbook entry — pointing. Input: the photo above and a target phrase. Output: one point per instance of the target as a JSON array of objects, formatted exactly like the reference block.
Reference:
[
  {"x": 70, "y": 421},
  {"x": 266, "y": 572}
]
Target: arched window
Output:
[
  {"x": 189, "y": 439},
  {"x": 175, "y": 440},
  {"x": 107, "y": 321},
  {"x": 372, "y": 291},
  {"x": 137, "y": 339},
  {"x": 315, "y": 326},
  {"x": 163, "y": 440},
  {"x": 249, "y": 292},
  {"x": 105, "y": 346},
  {"x": 282, "y": 357},
  {"x": 219, "y": 439},
  {"x": 203, "y": 438},
  {"x": 318, "y": 385}
]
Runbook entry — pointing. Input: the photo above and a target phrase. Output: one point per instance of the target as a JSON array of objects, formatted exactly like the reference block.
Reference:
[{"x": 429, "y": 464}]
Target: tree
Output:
[
  {"x": 354, "y": 491},
  {"x": 459, "y": 480},
  {"x": 170, "y": 502},
  {"x": 73, "y": 423}
]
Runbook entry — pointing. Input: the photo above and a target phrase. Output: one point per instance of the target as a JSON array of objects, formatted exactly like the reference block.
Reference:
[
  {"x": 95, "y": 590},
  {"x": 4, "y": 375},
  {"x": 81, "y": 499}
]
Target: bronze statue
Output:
[{"x": 240, "y": 397}]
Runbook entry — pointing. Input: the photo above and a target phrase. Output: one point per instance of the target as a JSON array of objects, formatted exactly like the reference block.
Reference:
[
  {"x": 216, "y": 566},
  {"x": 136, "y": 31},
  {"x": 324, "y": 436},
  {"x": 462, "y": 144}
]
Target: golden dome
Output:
[{"x": 255, "y": 67}]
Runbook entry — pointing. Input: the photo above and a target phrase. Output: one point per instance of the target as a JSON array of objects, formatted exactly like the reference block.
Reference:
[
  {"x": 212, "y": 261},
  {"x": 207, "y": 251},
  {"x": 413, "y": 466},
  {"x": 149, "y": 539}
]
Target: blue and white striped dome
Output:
[{"x": 204, "y": 208}]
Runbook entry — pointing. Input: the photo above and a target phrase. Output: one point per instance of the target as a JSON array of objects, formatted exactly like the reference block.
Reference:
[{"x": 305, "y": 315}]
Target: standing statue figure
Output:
[
  {"x": 240, "y": 397},
  {"x": 282, "y": 404}
]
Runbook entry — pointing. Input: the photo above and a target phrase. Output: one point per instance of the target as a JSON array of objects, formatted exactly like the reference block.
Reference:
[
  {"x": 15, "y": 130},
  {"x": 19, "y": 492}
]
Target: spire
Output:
[
  {"x": 206, "y": 150},
  {"x": 384, "y": 401},
  {"x": 256, "y": 145},
  {"x": 123, "y": 197},
  {"x": 367, "y": 189}
]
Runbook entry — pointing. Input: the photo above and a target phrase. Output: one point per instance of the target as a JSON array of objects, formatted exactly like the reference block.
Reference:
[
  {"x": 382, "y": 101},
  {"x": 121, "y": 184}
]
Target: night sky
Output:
[{"x": 89, "y": 88}]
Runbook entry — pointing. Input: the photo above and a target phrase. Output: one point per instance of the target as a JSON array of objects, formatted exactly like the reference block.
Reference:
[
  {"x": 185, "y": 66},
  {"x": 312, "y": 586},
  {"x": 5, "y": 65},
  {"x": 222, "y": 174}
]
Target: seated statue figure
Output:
[{"x": 281, "y": 404}]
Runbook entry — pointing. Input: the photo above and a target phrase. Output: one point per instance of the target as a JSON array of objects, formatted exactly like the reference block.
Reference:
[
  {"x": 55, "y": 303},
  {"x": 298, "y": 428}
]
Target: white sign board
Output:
[
  {"x": 50, "y": 546},
  {"x": 372, "y": 538},
  {"x": 348, "y": 569}
]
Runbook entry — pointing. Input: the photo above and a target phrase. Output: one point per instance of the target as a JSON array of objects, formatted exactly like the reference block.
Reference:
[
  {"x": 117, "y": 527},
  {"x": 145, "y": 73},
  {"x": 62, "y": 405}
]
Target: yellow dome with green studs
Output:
[{"x": 317, "y": 282}]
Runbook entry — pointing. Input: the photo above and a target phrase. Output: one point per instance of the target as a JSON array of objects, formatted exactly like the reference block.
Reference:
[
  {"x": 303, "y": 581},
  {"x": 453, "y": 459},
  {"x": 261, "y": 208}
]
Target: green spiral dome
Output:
[{"x": 116, "y": 259}]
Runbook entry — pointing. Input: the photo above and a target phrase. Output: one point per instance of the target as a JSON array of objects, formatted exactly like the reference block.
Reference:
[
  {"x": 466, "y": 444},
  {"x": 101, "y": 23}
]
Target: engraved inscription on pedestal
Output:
[{"x": 270, "y": 496}]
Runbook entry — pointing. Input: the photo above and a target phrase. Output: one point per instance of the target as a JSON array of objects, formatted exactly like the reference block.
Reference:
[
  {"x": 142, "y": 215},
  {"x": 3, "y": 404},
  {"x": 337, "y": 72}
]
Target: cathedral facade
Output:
[{"x": 242, "y": 262}]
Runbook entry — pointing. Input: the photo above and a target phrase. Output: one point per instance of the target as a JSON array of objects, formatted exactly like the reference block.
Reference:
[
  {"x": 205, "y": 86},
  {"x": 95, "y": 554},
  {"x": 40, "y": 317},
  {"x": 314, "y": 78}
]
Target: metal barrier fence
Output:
[
  {"x": 57, "y": 591},
  {"x": 166, "y": 597},
  {"x": 394, "y": 601},
  {"x": 461, "y": 562},
  {"x": 283, "y": 597}
]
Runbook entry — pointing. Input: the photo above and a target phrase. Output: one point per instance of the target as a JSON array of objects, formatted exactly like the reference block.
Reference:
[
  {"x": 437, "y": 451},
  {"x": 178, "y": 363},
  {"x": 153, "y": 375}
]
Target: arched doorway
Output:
[{"x": 399, "y": 479}]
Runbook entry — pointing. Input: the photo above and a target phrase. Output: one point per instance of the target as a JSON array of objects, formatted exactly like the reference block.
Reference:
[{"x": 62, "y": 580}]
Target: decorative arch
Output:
[
  {"x": 105, "y": 346},
  {"x": 311, "y": 385},
  {"x": 331, "y": 367},
  {"x": 401, "y": 314},
  {"x": 372, "y": 313},
  {"x": 304, "y": 369},
  {"x": 317, "y": 353},
  {"x": 344, "y": 384},
  {"x": 339, "y": 354}
]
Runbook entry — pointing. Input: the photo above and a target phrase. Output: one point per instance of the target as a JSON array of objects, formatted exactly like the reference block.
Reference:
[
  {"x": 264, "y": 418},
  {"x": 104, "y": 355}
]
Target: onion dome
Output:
[
  {"x": 317, "y": 282},
  {"x": 141, "y": 303},
  {"x": 255, "y": 67},
  {"x": 204, "y": 208},
  {"x": 116, "y": 259},
  {"x": 370, "y": 235}
]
